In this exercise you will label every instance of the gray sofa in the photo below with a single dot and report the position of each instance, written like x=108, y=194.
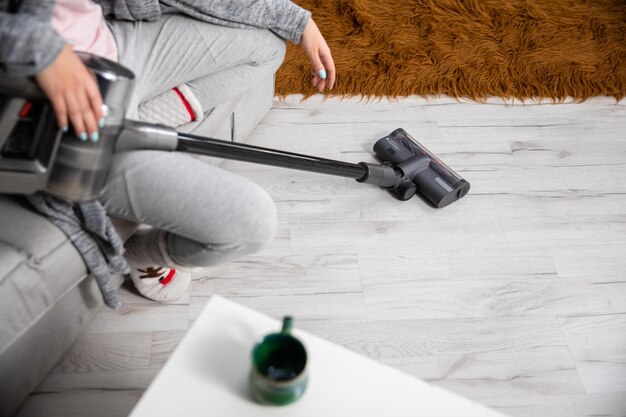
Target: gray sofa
x=46, y=295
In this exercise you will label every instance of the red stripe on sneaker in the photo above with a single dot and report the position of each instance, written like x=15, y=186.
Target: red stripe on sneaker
x=185, y=103
x=169, y=277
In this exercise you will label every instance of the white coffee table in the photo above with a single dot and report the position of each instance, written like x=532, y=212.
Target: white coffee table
x=207, y=375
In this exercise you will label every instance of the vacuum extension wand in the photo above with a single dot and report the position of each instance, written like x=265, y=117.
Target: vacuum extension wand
x=265, y=156
x=36, y=155
x=138, y=135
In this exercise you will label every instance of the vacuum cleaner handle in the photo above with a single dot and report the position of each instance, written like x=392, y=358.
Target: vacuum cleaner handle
x=35, y=155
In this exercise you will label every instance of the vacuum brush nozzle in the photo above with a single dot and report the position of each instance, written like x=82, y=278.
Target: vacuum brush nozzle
x=418, y=170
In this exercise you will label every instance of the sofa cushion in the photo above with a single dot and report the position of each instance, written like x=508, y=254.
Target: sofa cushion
x=38, y=265
x=23, y=295
x=25, y=229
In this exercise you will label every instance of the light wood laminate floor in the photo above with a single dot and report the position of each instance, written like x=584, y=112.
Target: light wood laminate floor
x=514, y=296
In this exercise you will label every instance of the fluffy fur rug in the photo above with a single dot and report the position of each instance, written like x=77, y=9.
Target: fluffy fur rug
x=468, y=48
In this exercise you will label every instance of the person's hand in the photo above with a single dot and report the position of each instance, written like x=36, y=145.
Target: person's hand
x=318, y=52
x=73, y=91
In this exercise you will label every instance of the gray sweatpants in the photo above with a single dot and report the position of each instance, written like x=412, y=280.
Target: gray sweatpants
x=211, y=215
x=218, y=63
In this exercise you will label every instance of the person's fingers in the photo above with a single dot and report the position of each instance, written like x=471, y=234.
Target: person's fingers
x=317, y=50
x=321, y=75
x=76, y=115
x=321, y=85
x=329, y=64
x=95, y=100
x=316, y=64
x=88, y=115
x=319, y=72
x=60, y=110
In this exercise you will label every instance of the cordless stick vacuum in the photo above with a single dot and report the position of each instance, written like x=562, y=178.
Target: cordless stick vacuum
x=35, y=155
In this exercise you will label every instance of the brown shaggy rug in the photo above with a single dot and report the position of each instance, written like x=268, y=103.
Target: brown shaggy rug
x=467, y=48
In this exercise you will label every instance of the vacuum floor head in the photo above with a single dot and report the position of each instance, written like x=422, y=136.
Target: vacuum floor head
x=422, y=172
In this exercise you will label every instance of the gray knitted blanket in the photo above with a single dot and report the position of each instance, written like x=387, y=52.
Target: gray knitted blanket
x=92, y=233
